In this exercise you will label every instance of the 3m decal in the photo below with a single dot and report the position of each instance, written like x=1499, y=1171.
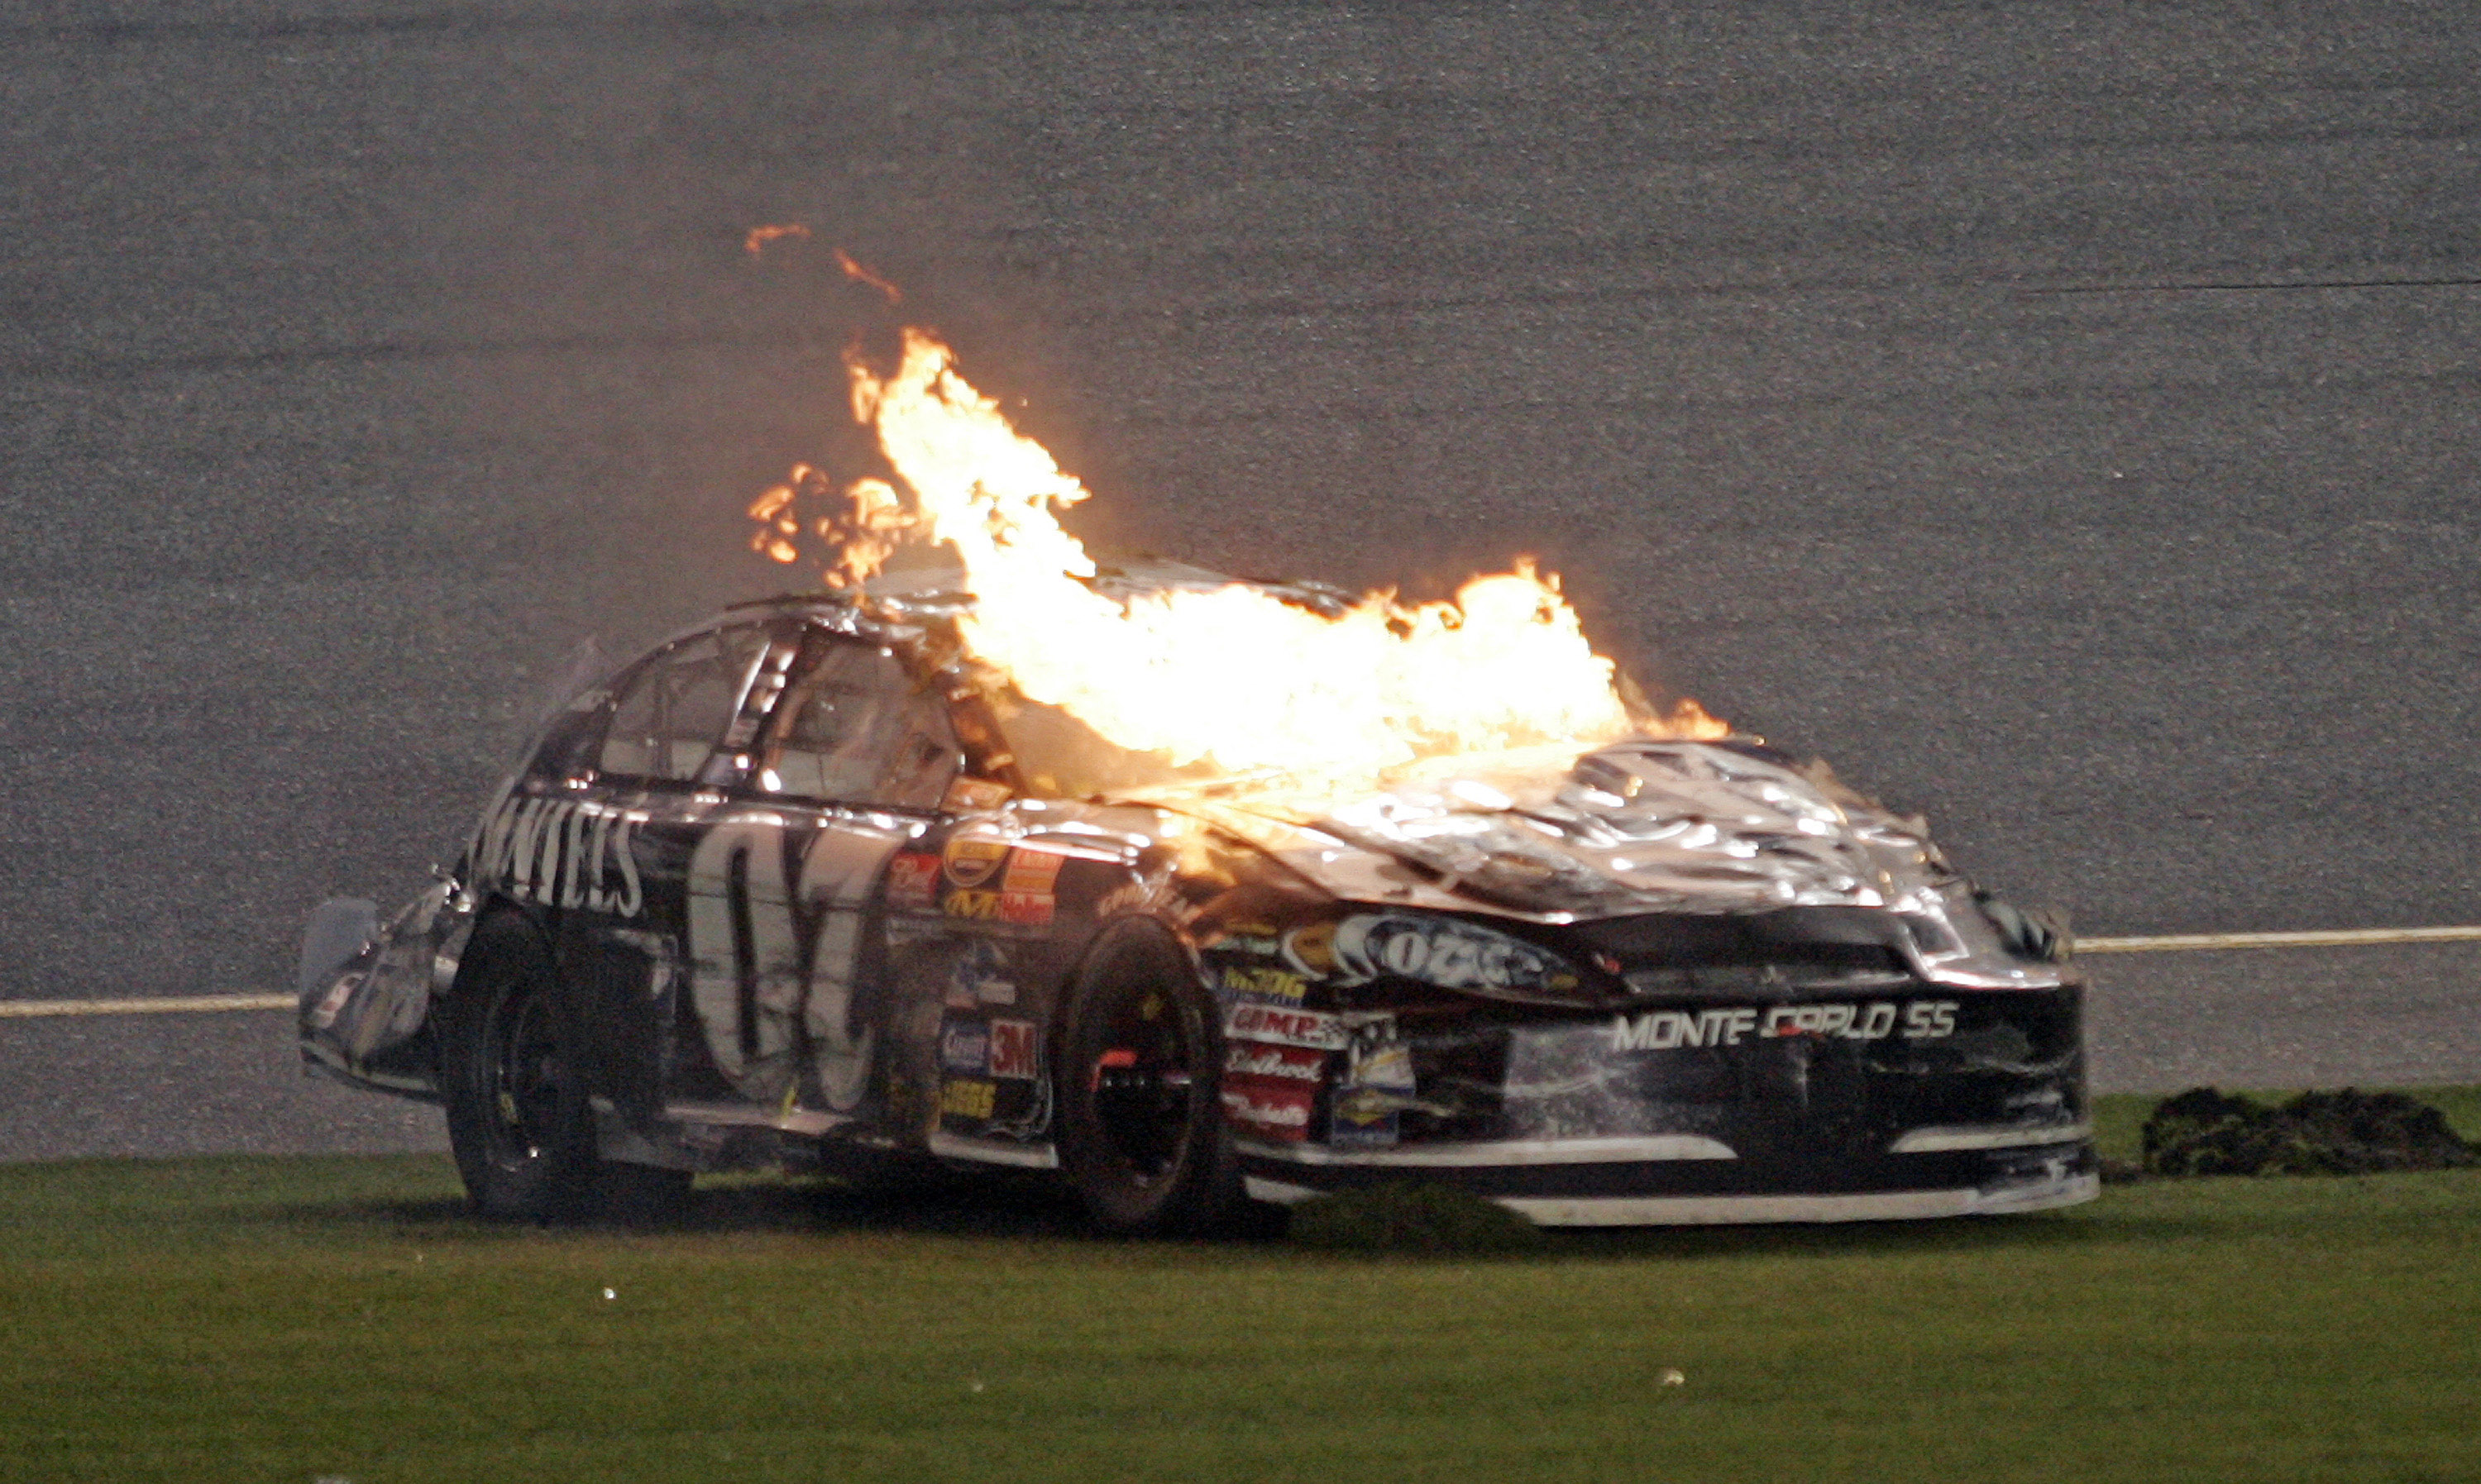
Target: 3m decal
x=1012, y=1043
x=912, y=882
x=1270, y=1111
x=1268, y=987
x=1285, y=1028
x=562, y=853
x=968, y=1099
x=1284, y=1063
x=971, y=861
x=1658, y=1030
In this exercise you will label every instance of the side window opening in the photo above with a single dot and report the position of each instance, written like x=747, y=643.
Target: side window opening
x=857, y=729
x=675, y=711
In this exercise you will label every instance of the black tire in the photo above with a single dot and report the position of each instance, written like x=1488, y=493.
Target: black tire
x=510, y=1078
x=1139, y=1083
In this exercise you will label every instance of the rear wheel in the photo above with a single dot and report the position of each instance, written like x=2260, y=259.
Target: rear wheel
x=510, y=1078
x=1140, y=1117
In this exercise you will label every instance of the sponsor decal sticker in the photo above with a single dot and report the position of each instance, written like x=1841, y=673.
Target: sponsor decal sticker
x=1309, y=1028
x=1443, y=950
x=980, y=978
x=1265, y=987
x=1270, y=1110
x=1012, y=1046
x=1259, y=940
x=1031, y=870
x=912, y=881
x=1280, y=1063
x=965, y=1047
x=972, y=861
x=1662, y=1030
x=1377, y=1085
x=964, y=1097
x=1022, y=909
x=966, y=795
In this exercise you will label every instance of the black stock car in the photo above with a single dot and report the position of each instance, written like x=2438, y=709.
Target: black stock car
x=804, y=881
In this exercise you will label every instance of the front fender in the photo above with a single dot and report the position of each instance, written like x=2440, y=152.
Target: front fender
x=367, y=1021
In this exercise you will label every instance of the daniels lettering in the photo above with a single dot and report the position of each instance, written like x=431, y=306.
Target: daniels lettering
x=563, y=853
x=1662, y=1030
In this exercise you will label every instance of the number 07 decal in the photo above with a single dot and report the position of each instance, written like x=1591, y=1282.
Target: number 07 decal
x=775, y=951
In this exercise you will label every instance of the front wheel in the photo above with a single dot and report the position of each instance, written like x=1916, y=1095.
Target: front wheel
x=519, y=1119
x=1141, y=1131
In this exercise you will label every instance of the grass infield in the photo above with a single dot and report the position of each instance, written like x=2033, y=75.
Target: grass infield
x=342, y=1319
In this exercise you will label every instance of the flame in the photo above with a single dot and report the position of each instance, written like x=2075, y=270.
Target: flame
x=860, y=275
x=1236, y=677
x=760, y=236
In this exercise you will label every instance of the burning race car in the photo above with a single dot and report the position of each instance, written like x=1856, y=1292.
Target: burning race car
x=842, y=876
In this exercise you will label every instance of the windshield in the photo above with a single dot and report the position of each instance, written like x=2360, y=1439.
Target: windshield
x=1063, y=757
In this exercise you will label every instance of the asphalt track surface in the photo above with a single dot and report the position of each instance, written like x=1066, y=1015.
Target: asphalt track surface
x=2064, y=418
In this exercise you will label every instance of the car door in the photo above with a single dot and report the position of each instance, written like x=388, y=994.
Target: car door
x=601, y=831
x=782, y=887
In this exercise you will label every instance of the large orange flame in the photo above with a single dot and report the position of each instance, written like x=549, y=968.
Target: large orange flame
x=1235, y=677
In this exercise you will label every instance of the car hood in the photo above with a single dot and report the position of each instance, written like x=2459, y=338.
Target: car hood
x=1640, y=826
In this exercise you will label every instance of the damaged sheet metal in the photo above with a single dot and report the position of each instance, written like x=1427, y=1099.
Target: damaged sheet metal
x=1661, y=980
x=367, y=1021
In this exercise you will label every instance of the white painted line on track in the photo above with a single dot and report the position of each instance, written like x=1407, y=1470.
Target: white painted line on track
x=172, y=1004
x=2347, y=937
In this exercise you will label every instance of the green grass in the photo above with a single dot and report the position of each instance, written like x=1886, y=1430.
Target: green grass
x=297, y=1319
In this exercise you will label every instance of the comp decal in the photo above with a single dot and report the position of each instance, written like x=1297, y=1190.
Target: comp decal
x=1659, y=1030
x=562, y=853
x=1271, y=1023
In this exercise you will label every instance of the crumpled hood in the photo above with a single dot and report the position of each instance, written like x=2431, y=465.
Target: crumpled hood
x=1637, y=826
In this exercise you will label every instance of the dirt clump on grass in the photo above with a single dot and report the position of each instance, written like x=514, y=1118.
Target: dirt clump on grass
x=2204, y=1132
x=1413, y=1217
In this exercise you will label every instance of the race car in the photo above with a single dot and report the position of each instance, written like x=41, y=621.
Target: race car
x=807, y=882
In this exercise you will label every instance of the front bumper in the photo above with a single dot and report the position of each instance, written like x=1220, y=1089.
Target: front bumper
x=1667, y=1181
x=1924, y=1102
